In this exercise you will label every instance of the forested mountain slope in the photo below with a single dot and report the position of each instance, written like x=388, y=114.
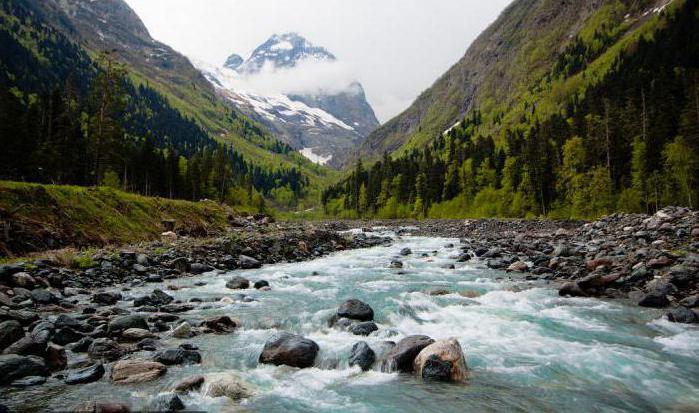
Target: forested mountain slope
x=572, y=109
x=88, y=94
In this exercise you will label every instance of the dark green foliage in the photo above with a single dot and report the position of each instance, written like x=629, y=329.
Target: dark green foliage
x=629, y=143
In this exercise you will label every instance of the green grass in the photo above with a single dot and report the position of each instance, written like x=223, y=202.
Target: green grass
x=96, y=216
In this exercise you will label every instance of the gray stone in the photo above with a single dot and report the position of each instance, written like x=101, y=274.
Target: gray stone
x=362, y=355
x=289, y=349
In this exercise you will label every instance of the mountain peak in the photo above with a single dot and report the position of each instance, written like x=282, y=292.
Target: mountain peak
x=284, y=51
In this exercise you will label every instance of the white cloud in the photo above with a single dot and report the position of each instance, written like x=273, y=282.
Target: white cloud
x=396, y=48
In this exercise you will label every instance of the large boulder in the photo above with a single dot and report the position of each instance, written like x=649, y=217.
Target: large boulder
x=10, y=332
x=104, y=349
x=355, y=310
x=106, y=298
x=289, y=349
x=248, y=263
x=227, y=386
x=362, y=355
x=682, y=315
x=85, y=375
x=136, y=371
x=401, y=357
x=13, y=367
x=442, y=360
x=238, y=283
x=173, y=356
x=120, y=324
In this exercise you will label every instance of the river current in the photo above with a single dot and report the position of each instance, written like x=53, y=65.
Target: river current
x=527, y=348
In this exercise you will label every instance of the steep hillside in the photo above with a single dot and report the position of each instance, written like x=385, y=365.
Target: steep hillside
x=504, y=64
x=596, y=112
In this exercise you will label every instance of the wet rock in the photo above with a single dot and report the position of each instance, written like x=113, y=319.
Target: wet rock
x=119, y=324
x=356, y=310
x=220, y=324
x=64, y=320
x=174, y=356
x=102, y=407
x=81, y=346
x=24, y=280
x=260, y=284
x=10, y=332
x=176, y=308
x=104, y=349
x=166, y=403
x=29, y=345
x=238, y=283
x=227, y=386
x=364, y=328
x=571, y=289
x=106, y=298
x=155, y=299
x=23, y=317
x=13, y=367
x=189, y=384
x=43, y=297
x=181, y=264
x=67, y=335
x=405, y=252
x=289, y=349
x=56, y=357
x=85, y=375
x=198, y=268
x=518, y=266
x=362, y=355
x=659, y=262
x=682, y=276
x=653, y=299
x=401, y=357
x=442, y=360
x=435, y=292
x=396, y=264
x=601, y=262
x=682, y=315
x=248, y=263
x=136, y=334
x=136, y=371
x=183, y=330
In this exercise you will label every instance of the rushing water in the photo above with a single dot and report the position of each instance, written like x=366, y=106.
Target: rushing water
x=527, y=348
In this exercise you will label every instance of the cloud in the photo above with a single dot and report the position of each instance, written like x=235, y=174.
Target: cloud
x=308, y=77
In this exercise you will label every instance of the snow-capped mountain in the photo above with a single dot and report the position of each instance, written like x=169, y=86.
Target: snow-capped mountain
x=300, y=93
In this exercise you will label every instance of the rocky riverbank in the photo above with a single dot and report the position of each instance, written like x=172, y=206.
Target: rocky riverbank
x=650, y=260
x=48, y=308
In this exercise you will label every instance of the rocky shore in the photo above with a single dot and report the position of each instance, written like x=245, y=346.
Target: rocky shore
x=48, y=309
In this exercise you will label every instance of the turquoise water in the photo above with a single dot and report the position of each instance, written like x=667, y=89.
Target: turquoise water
x=527, y=348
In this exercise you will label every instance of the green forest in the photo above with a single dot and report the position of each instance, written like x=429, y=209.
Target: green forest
x=627, y=141
x=67, y=117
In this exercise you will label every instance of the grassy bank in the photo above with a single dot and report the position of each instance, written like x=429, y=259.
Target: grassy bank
x=39, y=217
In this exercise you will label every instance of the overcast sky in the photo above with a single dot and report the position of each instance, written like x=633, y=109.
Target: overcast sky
x=396, y=48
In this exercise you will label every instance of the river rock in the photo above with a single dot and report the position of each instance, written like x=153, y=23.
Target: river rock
x=29, y=345
x=13, y=367
x=102, y=407
x=180, y=264
x=56, y=357
x=43, y=297
x=136, y=334
x=85, y=375
x=518, y=266
x=174, y=356
x=260, y=284
x=104, y=348
x=24, y=280
x=401, y=357
x=220, y=324
x=652, y=299
x=29, y=381
x=136, y=371
x=119, y=324
x=227, y=386
x=183, y=330
x=682, y=315
x=66, y=335
x=189, y=384
x=442, y=360
x=238, y=283
x=64, y=320
x=405, y=252
x=364, y=328
x=289, y=349
x=248, y=263
x=691, y=301
x=362, y=355
x=10, y=332
x=106, y=298
x=571, y=289
x=168, y=402
x=23, y=317
x=356, y=310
